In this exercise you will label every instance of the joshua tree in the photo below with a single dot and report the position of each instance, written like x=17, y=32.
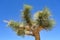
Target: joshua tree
x=32, y=26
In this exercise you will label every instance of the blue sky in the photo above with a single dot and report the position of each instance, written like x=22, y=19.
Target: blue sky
x=11, y=9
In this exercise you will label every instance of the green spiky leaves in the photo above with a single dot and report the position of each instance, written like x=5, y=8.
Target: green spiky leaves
x=27, y=15
x=43, y=19
x=21, y=31
x=17, y=27
x=13, y=24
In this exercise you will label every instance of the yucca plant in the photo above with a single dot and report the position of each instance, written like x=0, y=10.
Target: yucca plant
x=32, y=26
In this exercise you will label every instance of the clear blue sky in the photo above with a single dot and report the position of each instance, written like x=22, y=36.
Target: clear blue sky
x=10, y=9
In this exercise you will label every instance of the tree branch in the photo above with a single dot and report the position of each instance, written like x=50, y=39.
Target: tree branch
x=39, y=28
x=27, y=28
x=28, y=33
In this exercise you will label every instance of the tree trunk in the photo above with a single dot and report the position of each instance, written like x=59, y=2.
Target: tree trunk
x=37, y=36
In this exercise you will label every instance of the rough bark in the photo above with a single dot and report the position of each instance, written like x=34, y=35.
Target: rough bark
x=36, y=33
x=37, y=36
x=39, y=28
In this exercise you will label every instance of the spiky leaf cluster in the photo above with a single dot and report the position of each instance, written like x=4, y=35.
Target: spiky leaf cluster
x=43, y=19
x=13, y=24
x=27, y=15
x=16, y=27
x=21, y=31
